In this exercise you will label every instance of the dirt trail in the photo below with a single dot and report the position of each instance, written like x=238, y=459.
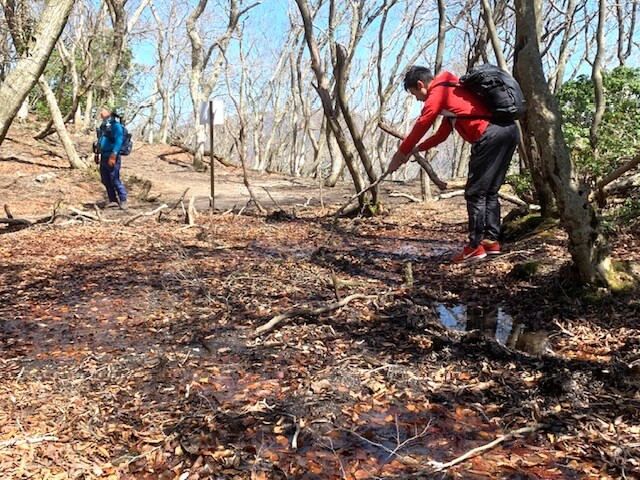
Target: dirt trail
x=33, y=179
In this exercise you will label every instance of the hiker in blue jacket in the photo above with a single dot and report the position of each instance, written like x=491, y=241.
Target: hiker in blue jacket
x=110, y=137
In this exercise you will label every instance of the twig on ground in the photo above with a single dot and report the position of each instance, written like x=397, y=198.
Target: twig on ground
x=399, y=445
x=145, y=454
x=145, y=214
x=405, y=195
x=307, y=312
x=439, y=467
x=82, y=213
x=25, y=441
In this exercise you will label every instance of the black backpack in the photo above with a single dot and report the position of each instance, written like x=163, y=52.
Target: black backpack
x=127, y=142
x=498, y=90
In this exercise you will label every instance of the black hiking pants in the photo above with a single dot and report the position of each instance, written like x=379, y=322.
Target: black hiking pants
x=490, y=158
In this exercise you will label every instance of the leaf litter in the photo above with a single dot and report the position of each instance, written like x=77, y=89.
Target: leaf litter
x=132, y=352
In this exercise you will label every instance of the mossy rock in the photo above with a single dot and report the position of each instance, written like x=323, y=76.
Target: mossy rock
x=524, y=271
x=520, y=223
x=623, y=278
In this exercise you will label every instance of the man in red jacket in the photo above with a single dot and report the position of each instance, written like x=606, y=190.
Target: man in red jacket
x=492, y=146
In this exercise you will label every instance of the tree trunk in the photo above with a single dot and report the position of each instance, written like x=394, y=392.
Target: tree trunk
x=325, y=97
x=19, y=82
x=587, y=245
x=59, y=125
x=596, y=78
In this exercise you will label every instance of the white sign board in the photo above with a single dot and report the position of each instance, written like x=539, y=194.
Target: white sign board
x=218, y=112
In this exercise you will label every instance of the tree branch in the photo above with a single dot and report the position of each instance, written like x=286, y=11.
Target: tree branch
x=419, y=158
x=308, y=312
x=439, y=467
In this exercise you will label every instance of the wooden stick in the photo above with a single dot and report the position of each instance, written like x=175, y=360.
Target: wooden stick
x=405, y=195
x=25, y=441
x=82, y=213
x=145, y=214
x=439, y=467
x=307, y=312
x=16, y=221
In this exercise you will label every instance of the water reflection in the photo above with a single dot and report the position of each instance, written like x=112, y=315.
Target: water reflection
x=494, y=322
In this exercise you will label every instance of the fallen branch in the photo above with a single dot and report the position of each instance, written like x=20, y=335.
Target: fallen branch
x=25, y=441
x=309, y=312
x=439, y=467
x=82, y=213
x=454, y=193
x=273, y=199
x=179, y=201
x=607, y=179
x=513, y=199
x=145, y=214
x=16, y=221
x=405, y=195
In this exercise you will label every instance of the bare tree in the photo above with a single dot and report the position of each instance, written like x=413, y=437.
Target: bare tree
x=37, y=49
x=587, y=245
x=556, y=77
x=323, y=89
x=596, y=78
x=240, y=139
x=74, y=160
x=121, y=25
x=202, y=81
x=168, y=73
x=625, y=36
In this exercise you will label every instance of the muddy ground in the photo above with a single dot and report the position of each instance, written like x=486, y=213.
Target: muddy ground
x=135, y=347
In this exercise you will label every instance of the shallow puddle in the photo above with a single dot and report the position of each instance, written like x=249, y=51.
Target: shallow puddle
x=494, y=322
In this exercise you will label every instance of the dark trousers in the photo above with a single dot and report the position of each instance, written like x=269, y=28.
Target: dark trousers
x=110, y=176
x=490, y=158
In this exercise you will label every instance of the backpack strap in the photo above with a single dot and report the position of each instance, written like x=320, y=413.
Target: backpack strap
x=458, y=84
x=447, y=84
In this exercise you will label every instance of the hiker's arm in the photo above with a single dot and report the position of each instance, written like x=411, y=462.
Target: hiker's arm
x=430, y=110
x=446, y=127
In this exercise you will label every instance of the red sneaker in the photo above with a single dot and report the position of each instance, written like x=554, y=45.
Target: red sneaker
x=491, y=247
x=469, y=254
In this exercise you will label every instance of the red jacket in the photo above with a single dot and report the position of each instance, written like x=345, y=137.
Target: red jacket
x=448, y=101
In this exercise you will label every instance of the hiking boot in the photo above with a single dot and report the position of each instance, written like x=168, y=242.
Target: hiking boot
x=111, y=205
x=470, y=254
x=491, y=247
x=123, y=206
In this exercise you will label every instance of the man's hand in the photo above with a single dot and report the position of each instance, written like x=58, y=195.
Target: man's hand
x=112, y=160
x=398, y=159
